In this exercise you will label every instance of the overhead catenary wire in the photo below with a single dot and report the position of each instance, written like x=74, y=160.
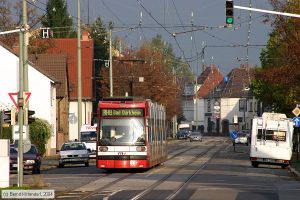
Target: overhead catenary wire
x=174, y=36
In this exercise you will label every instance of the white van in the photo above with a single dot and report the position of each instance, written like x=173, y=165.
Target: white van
x=271, y=140
x=88, y=135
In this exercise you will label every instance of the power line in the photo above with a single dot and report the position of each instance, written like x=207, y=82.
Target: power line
x=174, y=36
x=108, y=8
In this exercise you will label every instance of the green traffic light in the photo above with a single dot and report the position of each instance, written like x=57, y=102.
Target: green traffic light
x=229, y=20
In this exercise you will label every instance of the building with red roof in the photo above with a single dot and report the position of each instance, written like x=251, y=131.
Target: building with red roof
x=68, y=47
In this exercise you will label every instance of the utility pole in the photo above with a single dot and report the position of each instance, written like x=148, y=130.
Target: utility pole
x=110, y=64
x=22, y=69
x=79, y=69
x=249, y=31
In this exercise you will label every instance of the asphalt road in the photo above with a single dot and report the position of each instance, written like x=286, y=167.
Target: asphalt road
x=198, y=170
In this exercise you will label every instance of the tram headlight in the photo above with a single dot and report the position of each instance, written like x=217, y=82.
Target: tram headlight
x=140, y=148
x=103, y=148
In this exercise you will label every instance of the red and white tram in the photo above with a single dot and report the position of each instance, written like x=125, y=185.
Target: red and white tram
x=131, y=133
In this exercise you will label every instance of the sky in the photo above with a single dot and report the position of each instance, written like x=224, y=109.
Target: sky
x=166, y=17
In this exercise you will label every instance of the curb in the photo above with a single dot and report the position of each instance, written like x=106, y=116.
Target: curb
x=294, y=171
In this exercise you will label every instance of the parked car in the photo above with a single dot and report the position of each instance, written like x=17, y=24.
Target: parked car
x=182, y=134
x=73, y=153
x=196, y=136
x=31, y=159
x=242, y=138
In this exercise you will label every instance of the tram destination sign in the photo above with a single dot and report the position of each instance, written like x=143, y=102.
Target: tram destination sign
x=124, y=112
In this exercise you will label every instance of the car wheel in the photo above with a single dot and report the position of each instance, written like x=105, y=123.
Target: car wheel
x=86, y=164
x=283, y=166
x=254, y=164
x=36, y=170
x=60, y=165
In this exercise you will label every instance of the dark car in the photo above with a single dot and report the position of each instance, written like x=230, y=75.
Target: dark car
x=31, y=160
x=182, y=135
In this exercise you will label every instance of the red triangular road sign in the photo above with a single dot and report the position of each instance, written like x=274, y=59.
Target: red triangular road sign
x=14, y=97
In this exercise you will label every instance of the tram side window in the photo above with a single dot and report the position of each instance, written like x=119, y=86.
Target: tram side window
x=149, y=129
x=153, y=130
x=159, y=129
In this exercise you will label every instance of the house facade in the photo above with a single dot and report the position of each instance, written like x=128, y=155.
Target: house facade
x=68, y=47
x=57, y=66
x=41, y=85
x=207, y=81
x=231, y=103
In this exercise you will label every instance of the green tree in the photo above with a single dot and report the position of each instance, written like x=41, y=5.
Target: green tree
x=57, y=18
x=98, y=32
x=40, y=133
x=6, y=133
x=276, y=81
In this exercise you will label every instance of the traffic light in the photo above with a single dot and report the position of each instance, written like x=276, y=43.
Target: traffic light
x=229, y=13
x=11, y=116
x=28, y=119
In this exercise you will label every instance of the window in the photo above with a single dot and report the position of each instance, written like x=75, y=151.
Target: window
x=240, y=119
x=208, y=106
x=242, y=105
x=271, y=135
x=251, y=106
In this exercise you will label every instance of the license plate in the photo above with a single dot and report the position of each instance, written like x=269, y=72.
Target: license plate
x=15, y=165
x=267, y=160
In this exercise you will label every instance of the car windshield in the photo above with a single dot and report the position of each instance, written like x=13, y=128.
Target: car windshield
x=13, y=150
x=73, y=146
x=242, y=135
x=88, y=136
x=124, y=131
x=195, y=134
x=32, y=150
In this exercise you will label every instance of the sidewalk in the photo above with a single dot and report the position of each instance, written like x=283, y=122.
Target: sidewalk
x=295, y=165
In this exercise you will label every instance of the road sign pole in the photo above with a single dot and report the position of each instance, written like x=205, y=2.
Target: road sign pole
x=298, y=144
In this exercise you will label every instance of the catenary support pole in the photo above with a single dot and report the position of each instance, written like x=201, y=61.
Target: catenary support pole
x=79, y=95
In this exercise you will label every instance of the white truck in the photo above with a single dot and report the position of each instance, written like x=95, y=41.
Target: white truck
x=184, y=127
x=88, y=135
x=271, y=140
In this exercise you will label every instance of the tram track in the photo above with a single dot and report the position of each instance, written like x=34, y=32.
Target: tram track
x=165, y=178
x=129, y=175
x=87, y=194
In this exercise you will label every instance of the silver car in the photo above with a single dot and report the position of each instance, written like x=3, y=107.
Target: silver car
x=73, y=153
x=195, y=136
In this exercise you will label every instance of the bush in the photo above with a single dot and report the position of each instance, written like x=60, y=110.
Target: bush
x=40, y=133
x=7, y=133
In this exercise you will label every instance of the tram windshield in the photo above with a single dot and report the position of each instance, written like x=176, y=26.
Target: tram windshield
x=122, y=131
